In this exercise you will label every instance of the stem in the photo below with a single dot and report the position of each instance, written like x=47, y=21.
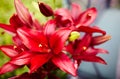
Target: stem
x=54, y=5
x=97, y=71
x=89, y=3
x=68, y=2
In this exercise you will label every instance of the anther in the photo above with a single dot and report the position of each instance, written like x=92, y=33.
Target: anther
x=89, y=15
x=40, y=45
x=84, y=47
x=14, y=47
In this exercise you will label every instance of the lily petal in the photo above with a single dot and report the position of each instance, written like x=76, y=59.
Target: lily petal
x=58, y=39
x=17, y=40
x=83, y=44
x=9, y=51
x=100, y=39
x=15, y=21
x=38, y=60
x=87, y=17
x=22, y=59
x=75, y=11
x=90, y=29
x=23, y=13
x=63, y=17
x=50, y=27
x=33, y=39
x=8, y=28
x=69, y=48
x=8, y=67
x=91, y=59
x=95, y=51
x=64, y=63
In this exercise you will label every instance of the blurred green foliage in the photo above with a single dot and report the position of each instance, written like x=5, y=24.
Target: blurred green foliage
x=7, y=9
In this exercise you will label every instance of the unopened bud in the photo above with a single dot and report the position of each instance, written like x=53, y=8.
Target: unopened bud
x=74, y=35
x=45, y=9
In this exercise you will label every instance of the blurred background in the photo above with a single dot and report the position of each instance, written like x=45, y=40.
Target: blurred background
x=108, y=19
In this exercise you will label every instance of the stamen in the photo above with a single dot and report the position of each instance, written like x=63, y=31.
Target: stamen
x=14, y=47
x=89, y=15
x=40, y=45
x=84, y=47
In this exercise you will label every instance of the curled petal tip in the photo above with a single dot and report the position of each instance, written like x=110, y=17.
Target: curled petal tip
x=100, y=39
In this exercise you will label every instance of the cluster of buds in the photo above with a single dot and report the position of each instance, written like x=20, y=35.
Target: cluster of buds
x=61, y=43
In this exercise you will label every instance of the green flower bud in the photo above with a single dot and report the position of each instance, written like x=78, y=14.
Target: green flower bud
x=74, y=35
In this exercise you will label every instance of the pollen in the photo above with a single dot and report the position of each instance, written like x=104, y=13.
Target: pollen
x=84, y=47
x=40, y=45
x=89, y=15
x=14, y=47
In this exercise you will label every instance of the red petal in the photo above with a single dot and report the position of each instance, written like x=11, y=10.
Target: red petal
x=64, y=63
x=15, y=21
x=87, y=17
x=91, y=59
x=9, y=51
x=75, y=11
x=8, y=67
x=63, y=17
x=83, y=44
x=22, y=59
x=100, y=39
x=37, y=25
x=90, y=29
x=69, y=48
x=50, y=27
x=23, y=13
x=33, y=39
x=58, y=39
x=8, y=28
x=95, y=51
x=38, y=60
x=17, y=40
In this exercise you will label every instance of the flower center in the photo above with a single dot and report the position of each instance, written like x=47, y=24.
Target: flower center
x=84, y=47
x=44, y=48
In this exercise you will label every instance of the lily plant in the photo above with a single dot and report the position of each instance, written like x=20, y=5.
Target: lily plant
x=63, y=42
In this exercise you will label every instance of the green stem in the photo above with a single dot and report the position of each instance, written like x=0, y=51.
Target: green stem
x=99, y=75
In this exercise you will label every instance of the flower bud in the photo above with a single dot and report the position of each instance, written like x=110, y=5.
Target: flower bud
x=45, y=9
x=74, y=35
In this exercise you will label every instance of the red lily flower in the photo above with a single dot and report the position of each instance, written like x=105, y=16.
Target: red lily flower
x=76, y=19
x=76, y=16
x=15, y=23
x=49, y=45
x=83, y=49
x=41, y=47
x=18, y=57
x=23, y=18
